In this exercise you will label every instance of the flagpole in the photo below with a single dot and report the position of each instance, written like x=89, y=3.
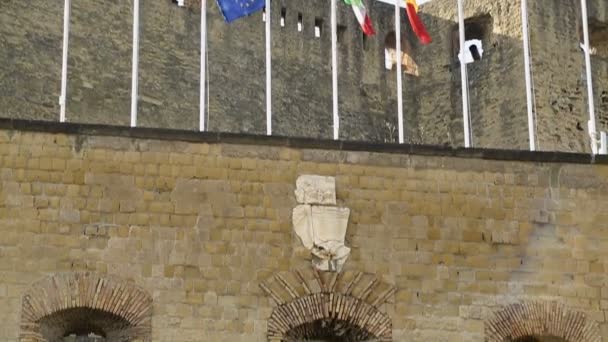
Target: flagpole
x=268, y=71
x=526, y=39
x=135, y=63
x=64, y=63
x=463, y=74
x=334, y=69
x=399, y=59
x=203, y=65
x=590, y=97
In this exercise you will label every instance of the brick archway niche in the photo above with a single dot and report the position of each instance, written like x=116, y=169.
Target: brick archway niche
x=82, y=303
x=529, y=319
x=325, y=306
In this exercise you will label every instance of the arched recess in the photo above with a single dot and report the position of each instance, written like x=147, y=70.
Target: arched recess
x=82, y=303
x=523, y=320
x=313, y=305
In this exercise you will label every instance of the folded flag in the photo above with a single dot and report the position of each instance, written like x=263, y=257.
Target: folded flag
x=234, y=9
x=417, y=24
x=362, y=17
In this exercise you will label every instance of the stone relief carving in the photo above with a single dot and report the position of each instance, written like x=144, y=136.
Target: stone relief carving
x=319, y=223
x=316, y=190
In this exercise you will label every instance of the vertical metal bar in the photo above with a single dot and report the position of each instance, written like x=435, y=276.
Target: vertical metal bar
x=203, y=78
x=399, y=58
x=463, y=72
x=64, y=63
x=334, y=69
x=268, y=70
x=135, y=63
x=526, y=39
x=604, y=143
x=590, y=97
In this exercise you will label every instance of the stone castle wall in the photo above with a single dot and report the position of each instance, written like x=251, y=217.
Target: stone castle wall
x=99, y=79
x=562, y=95
x=198, y=229
x=100, y=68
x=599, y=41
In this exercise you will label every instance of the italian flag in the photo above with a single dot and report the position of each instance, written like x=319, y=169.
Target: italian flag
x=362, y=17
x=417, y=25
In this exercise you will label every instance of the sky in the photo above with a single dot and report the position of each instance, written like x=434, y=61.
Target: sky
x=392, y=2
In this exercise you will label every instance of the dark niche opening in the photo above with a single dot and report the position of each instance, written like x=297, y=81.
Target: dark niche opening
x=90, y=337
x=318, y=27
x=475, y=28
x=475, y=52
x=539, y=339
x=598, y=39
x=84, y=325
x=328, y=330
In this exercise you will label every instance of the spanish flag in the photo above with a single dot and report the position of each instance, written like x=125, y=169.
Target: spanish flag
x=362, y=16
x=417, y=24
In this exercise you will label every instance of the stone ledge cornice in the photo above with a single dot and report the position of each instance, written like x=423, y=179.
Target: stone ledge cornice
x=298, y=143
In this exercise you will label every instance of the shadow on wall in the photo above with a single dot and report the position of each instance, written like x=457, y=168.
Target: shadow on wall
x=100, y=68
x=598, y=36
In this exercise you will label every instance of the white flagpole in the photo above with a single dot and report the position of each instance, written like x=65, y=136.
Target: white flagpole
x=399, y=59
x=590, y=97
x=268, y=71
x=203, y=64
x=334, y=69
x=526, y=39
x=64, y=66
x=135, y=63
x=463, y=72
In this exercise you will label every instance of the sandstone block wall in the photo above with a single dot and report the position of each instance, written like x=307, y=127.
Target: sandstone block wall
x=199, y=224
x=99, y=79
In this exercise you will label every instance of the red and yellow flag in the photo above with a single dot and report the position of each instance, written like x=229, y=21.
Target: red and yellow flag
x=417, y=25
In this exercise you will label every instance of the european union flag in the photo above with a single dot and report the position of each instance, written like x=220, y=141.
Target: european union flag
x=234, y=9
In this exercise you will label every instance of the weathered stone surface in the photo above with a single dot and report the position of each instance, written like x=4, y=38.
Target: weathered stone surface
x=302, y=224
x=329, y=223
x=100, y=71
x=321, y=229
x=312, y=189
x=330, y=256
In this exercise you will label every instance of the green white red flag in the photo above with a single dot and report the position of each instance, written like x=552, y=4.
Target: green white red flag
x=362, y=16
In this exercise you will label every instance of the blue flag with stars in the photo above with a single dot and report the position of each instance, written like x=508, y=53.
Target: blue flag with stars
x=234, y=9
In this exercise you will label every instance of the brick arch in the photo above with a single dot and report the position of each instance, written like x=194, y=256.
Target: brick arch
x=66, y=296
x=541, y=319
x=301, y=318
x=349, y=303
